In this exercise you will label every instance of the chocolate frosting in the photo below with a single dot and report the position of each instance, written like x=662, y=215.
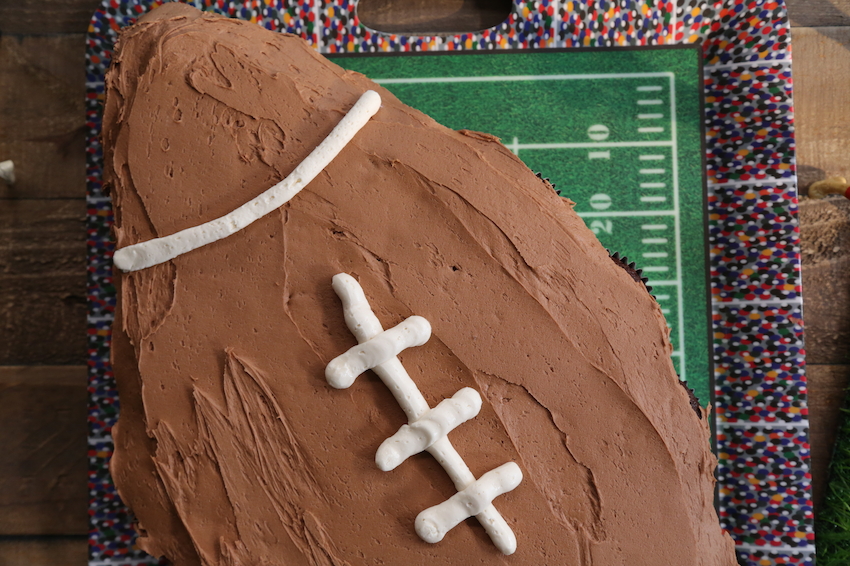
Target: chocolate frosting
x=231, y=447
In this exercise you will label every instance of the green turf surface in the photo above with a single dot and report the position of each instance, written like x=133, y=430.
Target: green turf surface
x=617, y=131
x=833, y=521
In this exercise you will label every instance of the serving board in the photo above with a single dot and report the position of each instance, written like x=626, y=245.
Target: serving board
x=762, y=430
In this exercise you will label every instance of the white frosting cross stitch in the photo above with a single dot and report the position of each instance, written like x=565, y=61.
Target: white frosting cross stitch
x=435, y=424
x=427, y=428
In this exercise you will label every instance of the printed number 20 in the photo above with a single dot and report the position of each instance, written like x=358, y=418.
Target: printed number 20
x=601, y=226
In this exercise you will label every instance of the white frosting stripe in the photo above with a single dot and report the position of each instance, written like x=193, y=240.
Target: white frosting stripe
x=365, y=325
x=438, y=422
x=344, y=369
x=160, y=250
x=433, y=523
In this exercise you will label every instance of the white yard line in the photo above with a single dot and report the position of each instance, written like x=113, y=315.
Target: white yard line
x=556, y=18
x=756, y=303
x=672, y=37
x=677, y=223
x=786, y=549
x=317, y=27
x=759, y=182
x=594, y=145
x=626, y=213
x=761, y=424
x=765, y=63
x=520, y=78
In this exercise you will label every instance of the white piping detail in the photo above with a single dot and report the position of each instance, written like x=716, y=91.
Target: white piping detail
x=160, y=250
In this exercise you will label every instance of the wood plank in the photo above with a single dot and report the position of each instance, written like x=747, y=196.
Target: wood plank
x=35, y=17
x=44, y=551
x=814, y=13
x=43, y=483
x=827, y=392
x=42, y=282
x=825, y=237
x=42, y=115
x=821, y=67
x=821, y=102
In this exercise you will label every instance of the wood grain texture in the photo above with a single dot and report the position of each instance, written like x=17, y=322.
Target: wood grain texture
x=43, y=551
x=815, y=13
x=42, y=282
x=821, y=71
x=27, y=17
x=825, y=235
x=43, y=436
x=42, y=115
x=827, y=391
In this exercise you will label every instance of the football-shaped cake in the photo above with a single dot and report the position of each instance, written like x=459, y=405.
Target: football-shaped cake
x=423, y=297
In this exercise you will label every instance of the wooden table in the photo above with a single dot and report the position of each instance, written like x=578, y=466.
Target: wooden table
x=43, y=493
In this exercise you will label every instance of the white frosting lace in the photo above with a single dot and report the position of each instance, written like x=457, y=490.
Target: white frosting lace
x=427, y=428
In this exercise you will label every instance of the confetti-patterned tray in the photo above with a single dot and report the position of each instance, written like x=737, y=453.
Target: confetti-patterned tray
x=762, y=426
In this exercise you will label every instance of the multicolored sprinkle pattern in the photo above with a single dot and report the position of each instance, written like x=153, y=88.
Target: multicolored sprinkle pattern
x=747, y=112
x=762, y=422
